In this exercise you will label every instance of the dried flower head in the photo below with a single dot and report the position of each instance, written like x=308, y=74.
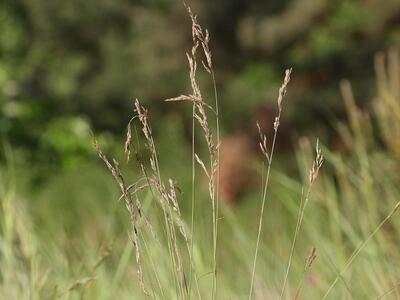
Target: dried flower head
x=311, y=258
x=283, y=88
x=263, y=141
x=317, y=163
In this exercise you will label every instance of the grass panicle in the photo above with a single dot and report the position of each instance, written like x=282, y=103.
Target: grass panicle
x=316, y=165
x=269, y=156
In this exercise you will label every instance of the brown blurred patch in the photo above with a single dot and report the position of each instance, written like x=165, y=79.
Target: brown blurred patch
x=235, y=155
x=241, y=148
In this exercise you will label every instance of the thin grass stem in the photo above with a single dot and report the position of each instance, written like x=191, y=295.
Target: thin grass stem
x=216, y=205
x=264, y=198
x=359, y=249
x=282, y=92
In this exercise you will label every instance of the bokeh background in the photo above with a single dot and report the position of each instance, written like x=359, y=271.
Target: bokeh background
x=70, y=68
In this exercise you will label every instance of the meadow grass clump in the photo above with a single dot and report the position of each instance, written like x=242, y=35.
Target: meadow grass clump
x=168, y=201
x=335, y=237
x=179, y=239
x=165, y=197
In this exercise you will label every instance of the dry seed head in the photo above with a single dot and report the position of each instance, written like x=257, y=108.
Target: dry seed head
x=283, y=88
x=199, y=37
x=192, y=99
x=127, y=146
x=317, y=163
x=310, y=259
x=133, y=234
x=206, y=67
x=154, y=181
x=201, y=163
x=276, y=123
x=172, y=196
x=263, y=142
x=192, y=72
x=142, y=115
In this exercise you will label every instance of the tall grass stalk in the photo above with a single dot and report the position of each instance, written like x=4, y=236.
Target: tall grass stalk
x=166, y=198
x=317, y=163
x=193, y=192
x=269, y=156
x=218, y=178
x=201, y=39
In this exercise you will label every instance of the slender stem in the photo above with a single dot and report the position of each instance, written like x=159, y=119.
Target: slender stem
x=152, y=265
x=193, y=195
x=166, y=228
x=300, y=286
x=300, y=216
x=167, y=232
x=282, y=92
x=264, y=198
x=392, y=289
x=216, y=203
x=316, y=165
x=361, y=247
x=170, y=229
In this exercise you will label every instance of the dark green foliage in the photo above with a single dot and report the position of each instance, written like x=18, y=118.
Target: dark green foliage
x=87, y=60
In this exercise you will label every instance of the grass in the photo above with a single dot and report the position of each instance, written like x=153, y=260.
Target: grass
x=268, y=155
x=68, y=239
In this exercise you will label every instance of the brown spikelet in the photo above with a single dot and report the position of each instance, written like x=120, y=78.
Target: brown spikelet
x=317, y=163
x=190, y=99
x=310, y=259
x=283, y=88
x=201, y=163
x=312, y=255
x=263, y=142
x=128, y=141
x=131, y=207
x=200, y=37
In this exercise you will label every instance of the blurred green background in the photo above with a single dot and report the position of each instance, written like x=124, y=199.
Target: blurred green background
x=70, y=68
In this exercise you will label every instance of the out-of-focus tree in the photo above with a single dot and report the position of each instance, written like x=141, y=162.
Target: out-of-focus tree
x=84, y=61
x=323, y=40
x=73, y=58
